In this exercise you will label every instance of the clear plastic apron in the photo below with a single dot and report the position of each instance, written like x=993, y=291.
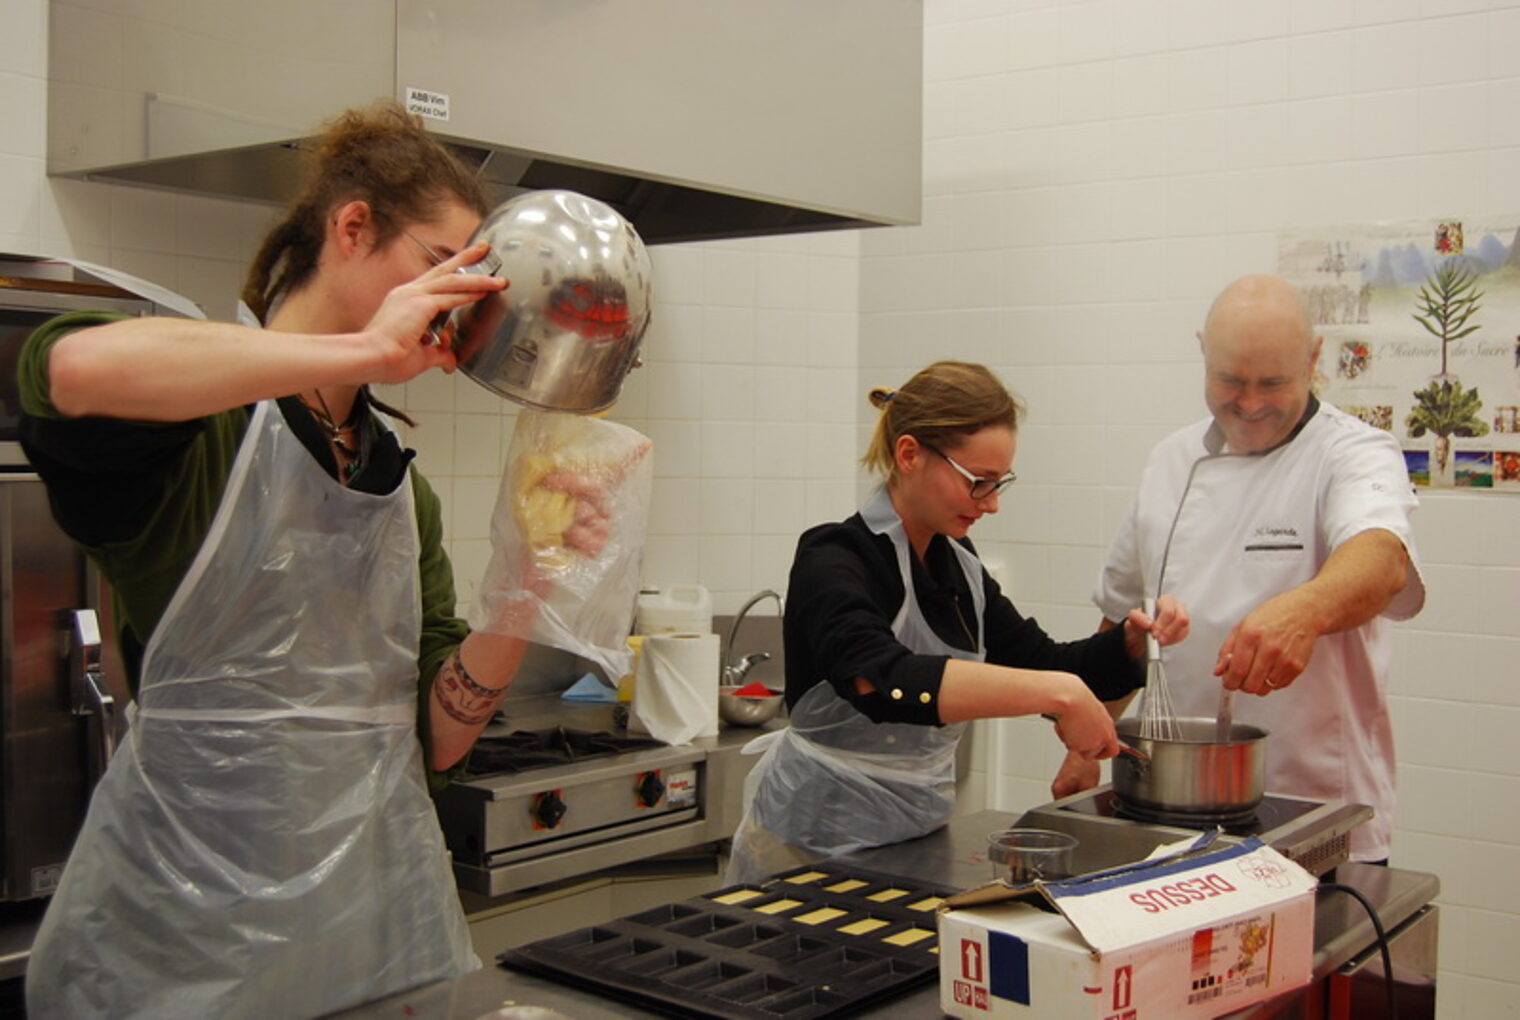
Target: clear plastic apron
x=834, y=782
x=263, y=844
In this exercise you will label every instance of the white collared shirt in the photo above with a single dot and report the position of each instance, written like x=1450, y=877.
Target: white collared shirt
x=1225, y=532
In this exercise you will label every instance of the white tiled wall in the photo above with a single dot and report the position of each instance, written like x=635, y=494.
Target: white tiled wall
x=1094, y=172
x=749, y=394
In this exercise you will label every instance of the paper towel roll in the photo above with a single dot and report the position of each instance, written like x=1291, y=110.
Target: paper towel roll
x=675, y=692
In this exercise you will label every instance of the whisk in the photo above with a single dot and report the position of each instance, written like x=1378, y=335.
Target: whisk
x=1158, y=717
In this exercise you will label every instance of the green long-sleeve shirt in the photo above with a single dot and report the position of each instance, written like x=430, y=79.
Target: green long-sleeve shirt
x=139, y=499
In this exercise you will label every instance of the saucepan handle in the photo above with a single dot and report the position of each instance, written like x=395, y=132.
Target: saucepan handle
x=1133, y=752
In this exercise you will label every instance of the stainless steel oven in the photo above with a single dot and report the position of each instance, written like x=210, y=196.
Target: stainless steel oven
x=60, y=684
x=557, y=790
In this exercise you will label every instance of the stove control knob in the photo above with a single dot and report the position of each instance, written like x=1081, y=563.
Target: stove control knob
x=548, y=810
x=650, y=789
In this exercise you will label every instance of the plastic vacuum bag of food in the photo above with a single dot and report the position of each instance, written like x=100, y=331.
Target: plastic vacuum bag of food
x=567, y=536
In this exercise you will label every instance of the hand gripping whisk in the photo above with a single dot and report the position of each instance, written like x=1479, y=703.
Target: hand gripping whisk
x=1158, y=717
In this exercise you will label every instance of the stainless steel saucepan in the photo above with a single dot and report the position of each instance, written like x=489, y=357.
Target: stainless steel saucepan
x=1196, y=774
x=566, y=331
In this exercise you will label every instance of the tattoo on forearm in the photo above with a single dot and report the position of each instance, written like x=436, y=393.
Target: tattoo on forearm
x=464, y=700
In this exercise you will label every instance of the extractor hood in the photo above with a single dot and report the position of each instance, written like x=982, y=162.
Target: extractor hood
x=697, y=119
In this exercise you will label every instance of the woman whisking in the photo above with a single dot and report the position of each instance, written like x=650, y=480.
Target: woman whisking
x=895, y=637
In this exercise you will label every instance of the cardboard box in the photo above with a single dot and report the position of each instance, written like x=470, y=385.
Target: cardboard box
x=1198, y=931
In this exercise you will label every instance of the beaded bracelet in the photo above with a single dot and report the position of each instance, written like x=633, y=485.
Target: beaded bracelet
x=470, y=683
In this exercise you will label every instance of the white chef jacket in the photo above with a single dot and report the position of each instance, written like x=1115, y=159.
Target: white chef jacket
x=1225, y=532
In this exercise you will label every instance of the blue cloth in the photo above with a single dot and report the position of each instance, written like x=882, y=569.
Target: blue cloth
x=589, y=688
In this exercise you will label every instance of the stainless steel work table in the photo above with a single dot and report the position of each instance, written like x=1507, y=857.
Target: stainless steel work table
x=953, y=856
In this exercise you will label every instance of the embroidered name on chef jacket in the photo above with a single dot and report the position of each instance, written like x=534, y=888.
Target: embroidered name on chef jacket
x=1274, y=538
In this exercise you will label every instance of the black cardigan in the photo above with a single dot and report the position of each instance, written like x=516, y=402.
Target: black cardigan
x=844, y=592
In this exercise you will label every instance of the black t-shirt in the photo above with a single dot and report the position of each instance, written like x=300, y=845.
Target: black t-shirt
x=106, y=476
x=844, y=592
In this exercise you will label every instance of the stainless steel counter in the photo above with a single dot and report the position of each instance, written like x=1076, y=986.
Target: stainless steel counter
x=953, y=856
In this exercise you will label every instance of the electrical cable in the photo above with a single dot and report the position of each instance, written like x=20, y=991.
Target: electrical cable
x=1382, y=941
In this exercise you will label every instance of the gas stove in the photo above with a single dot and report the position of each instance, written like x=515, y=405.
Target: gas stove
x=556, y=791
x=1313, y=833
x=525, y=750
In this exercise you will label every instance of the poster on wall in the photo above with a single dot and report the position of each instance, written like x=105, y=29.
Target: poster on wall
x=1421, y=327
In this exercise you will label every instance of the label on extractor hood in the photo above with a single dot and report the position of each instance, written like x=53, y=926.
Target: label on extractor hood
x=426, y=103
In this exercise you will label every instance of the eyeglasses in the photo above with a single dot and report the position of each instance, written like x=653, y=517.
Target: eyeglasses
x=433, y=256
x=981, y=488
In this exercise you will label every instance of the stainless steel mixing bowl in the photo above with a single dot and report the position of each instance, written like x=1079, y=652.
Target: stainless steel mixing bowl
x=566, y=331
x=738, y=710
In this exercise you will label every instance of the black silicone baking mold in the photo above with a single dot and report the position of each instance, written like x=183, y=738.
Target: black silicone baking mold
x=816, y=941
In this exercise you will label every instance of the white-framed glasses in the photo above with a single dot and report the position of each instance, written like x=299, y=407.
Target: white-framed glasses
x=981, y=487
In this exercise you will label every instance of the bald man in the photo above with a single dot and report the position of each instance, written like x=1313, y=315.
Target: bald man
x=1284, y=525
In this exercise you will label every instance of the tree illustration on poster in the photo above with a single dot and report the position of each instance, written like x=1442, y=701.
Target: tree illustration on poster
x=1421, y=328
x=1449, y=299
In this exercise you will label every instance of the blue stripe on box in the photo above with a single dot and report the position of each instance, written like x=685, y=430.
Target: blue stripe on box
x=1008, y=967
x=1149, y=871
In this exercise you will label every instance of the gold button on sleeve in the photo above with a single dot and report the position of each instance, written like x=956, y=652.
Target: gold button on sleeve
x=897, y=694
x=926, y=697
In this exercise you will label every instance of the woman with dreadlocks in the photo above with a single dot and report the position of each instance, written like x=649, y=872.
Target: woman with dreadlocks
x=263, y=843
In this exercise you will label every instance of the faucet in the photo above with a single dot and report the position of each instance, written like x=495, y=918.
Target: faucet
x=736, y=670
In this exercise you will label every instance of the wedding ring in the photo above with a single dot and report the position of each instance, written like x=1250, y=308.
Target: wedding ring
x=1275, y=687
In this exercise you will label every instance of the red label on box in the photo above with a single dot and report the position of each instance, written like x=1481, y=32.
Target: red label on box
x=971, y=995
x=971, y=960
x=1124, y=979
